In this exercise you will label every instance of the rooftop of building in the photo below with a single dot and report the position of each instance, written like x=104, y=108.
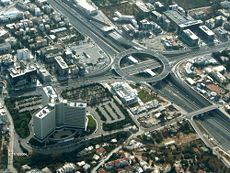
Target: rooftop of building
x=44, y=111
x=18, y=71
x=74, y=104
x=51, y=106
x=61, y=62
x=3, y=32
x=124, y=90
x=6, y=57
x=86, y=5
x=206, y=30
x=221, y=31
x=190, y=34
x=182, y=20
x=49, y=91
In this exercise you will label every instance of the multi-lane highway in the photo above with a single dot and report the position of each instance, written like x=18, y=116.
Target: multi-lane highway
x=217, y=126
x=169, y=89
x=82, y=24
x=215, y=123
x=173, y=92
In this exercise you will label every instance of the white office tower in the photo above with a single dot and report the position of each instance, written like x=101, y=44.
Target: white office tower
x=59, y=115
x=48, y=95
x=44, y=122
x=71, y=114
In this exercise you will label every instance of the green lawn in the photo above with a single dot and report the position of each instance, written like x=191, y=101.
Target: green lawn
x=91, y=124
x=145, y=96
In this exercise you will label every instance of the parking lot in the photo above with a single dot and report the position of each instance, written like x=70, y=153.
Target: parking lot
x=109, y=112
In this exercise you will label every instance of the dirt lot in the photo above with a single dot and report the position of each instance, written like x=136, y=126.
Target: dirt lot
x=215, y=88
x=181, y=138
x=124, y=8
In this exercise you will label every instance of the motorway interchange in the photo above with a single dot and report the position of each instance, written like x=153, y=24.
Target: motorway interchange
x=163, y=84
x=166, y=83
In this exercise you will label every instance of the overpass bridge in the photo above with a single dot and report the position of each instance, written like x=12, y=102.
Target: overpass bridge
x=156, y=60
x=202, y=111
x=141, y=66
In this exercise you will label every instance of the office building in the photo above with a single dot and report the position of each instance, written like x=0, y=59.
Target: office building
x=11, y=15
x=222, y=34
x=61, y=66
x=59, y=115
x=206, y=33
x=125, y=93
x=44, y=75
x=44, y=122
x=181, y=21
x=24, y=54
x=189, y=37
x=22, y=77
x=210, y=23
x=70, y=114
x=48, y=95
x=156, y=16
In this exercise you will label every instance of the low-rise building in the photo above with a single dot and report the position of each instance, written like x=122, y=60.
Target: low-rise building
x=219, y=77
x=189, y=69
x=222, y=34
x=125, y=93
x=67, y=168
x=117, y=163
x=3, y=33
x=125, y=18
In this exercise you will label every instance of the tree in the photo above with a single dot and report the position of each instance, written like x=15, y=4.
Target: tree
x=167, y=3
x=216, y=5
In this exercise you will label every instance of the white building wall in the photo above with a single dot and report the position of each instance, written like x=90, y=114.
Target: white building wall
x=43, y=126
x=70, y=115
x=75, y=116
x=37, y=123
x=49, y=123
